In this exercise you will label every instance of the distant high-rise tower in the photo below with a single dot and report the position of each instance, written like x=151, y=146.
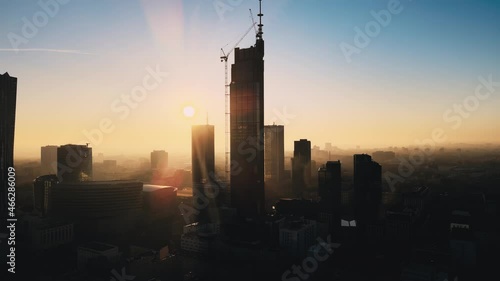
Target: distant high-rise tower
x=367, y=182
x=159, y=160
x=247, y=126
x=330, y=192
x=8, y=93
x=202, y=153
x=48, y=160
x=42, y=187
x=274, y=152
x=301, y=166
x=74, y=163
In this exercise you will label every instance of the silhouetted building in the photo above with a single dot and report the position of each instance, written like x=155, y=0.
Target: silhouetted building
x=297, y=235
x=462, y=240
x=74, y=163
x=367, y=182
x=301, y=166
x=8, y=93
x=330, y=192
x=48, y=160
x=109, y=164
x=159, y=160
x=94, y=199
x=382, y=156
x=202, y=154
x=42, y=188
x=274, y=152
x=98, y=208
x=46, y=233
x=203, y=165
x=418, y=198
x=399, y=223
x=247, y=128
x=297, y=207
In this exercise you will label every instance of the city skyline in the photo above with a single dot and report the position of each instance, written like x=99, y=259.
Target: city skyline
x=395, y=91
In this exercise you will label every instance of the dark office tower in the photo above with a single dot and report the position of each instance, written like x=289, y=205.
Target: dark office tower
x=330, y=192
x=8, y=92
x=42, y=187
x=301, y=166
x=159, y=160
x=203, y=161
x=247, y=128
x=367, y=186
x=48, y=160
x=274, y=152
x=74, y=163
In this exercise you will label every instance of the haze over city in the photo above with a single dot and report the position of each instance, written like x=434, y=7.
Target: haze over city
x=394, y=92
x=212, y=140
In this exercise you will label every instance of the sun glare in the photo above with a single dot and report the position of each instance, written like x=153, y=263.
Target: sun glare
x=188, y=111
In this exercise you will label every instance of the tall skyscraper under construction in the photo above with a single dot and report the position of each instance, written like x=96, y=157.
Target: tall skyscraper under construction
x=247, y=127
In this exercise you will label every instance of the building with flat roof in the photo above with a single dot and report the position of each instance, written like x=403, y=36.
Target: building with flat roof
x=42, y=188
x=48, y=160
x=159, y=160
x=367, y=183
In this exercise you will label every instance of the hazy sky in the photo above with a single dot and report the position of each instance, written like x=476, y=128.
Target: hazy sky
x=80, y=62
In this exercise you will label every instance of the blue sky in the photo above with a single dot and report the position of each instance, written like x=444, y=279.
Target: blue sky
x=393, y=92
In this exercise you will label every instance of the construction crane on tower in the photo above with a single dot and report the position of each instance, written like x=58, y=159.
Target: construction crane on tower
x=223, y=58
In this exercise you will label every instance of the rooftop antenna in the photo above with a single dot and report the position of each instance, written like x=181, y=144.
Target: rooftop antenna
x=260, y=25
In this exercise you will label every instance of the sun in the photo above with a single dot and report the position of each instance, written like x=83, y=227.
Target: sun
x=188, y=111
